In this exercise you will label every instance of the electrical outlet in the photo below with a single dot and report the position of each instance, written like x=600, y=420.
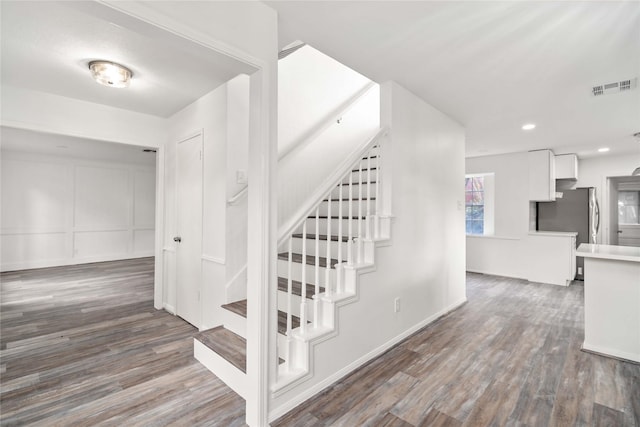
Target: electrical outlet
x=396, y=305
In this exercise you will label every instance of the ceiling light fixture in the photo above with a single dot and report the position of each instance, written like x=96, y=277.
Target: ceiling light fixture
x=110, y=74
x=603, y=149
x=528, y=126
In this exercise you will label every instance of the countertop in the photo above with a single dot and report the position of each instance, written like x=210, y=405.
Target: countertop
x=554, y=233
x=619, y=253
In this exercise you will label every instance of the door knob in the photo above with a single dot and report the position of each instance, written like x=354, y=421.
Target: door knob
x=619, y=231
x=177, y=239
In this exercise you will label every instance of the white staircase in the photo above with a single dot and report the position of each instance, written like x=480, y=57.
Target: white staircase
x=344, y=228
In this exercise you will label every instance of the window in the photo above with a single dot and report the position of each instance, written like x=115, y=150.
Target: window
x=628, y=207
x=474, y=204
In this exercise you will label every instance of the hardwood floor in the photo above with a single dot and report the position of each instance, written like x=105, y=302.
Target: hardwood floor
x=83, y=346
x=509, y=357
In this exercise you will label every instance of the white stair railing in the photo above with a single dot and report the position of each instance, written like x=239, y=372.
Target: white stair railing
x=329, y=285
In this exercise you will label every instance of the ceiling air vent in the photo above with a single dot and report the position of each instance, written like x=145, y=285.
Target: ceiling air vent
x=614, y=87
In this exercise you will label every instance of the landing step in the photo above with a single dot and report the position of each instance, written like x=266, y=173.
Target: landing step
x=230, y=346
x=296, y=287
x=322, y=237
x=240, y=308
x=311, y=259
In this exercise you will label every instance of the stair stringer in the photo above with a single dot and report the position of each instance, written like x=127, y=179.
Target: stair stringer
x=304, y=343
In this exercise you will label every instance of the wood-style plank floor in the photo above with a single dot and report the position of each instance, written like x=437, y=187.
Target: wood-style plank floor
x=83, y=346
x=509, y=357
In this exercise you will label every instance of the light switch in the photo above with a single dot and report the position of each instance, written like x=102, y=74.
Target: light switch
x=241, y=176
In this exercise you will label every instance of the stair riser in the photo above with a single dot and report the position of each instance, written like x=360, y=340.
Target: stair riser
x=296, y=272
x=324, y=207
x=311, y=226
x=235, y=323
x=295, y=305
x=311, y=247
x=355, y=191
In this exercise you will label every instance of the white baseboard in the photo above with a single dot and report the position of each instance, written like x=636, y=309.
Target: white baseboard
x=617, y=354
x=312, y=391
x=30, y=265
x=493, y=273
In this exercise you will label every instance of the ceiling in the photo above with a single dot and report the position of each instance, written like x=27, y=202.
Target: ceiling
x=47, y=45
x=493, y=66
x=68, y=146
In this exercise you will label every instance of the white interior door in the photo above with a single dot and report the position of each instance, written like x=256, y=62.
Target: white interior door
x=189, y=229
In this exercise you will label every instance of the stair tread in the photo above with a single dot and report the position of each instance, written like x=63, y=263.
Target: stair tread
x=322, y=237
x=347, y=199
x=296, y=287
x=357, y=183
x=232, y=347
x=240, y=308
x=311, y=259
x=365, y=169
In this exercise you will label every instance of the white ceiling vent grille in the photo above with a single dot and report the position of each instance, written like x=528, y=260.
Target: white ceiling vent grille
x=616, y=87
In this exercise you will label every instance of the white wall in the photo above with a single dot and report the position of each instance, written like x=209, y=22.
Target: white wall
x=312, y=89
x=222, y=116
x=306, y=175
x=61, y=211
x=46, y=112
x=424, y=265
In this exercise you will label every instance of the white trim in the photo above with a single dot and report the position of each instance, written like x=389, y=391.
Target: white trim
x=213, y=259
x=316, y=389
x=608, y=352
x=171, y=309
x=158, y=276
x=489, y=273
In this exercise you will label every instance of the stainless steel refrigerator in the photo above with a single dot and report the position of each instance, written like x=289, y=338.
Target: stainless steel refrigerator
x=577, y=211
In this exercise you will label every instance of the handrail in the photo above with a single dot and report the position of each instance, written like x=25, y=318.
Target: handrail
x=240, y=194
x=347, y=165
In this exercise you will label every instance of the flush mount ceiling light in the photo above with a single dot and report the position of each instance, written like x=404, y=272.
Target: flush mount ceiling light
x=603, y=149
x=528, y=126
x=110, y=74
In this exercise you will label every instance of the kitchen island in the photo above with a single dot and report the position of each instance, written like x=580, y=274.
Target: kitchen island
x=611, y=300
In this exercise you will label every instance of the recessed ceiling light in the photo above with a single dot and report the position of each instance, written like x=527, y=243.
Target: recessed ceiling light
x=603, y=149
x=110, y=74
x=528, y=126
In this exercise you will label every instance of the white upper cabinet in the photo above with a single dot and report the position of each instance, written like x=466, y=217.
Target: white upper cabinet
x=542, y=176
x=566, y=166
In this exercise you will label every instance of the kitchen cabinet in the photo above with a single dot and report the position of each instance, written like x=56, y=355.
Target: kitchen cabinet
x=542, y=176
x=566, y=166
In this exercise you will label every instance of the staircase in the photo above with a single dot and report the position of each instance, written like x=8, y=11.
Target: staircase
x=318, y=268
